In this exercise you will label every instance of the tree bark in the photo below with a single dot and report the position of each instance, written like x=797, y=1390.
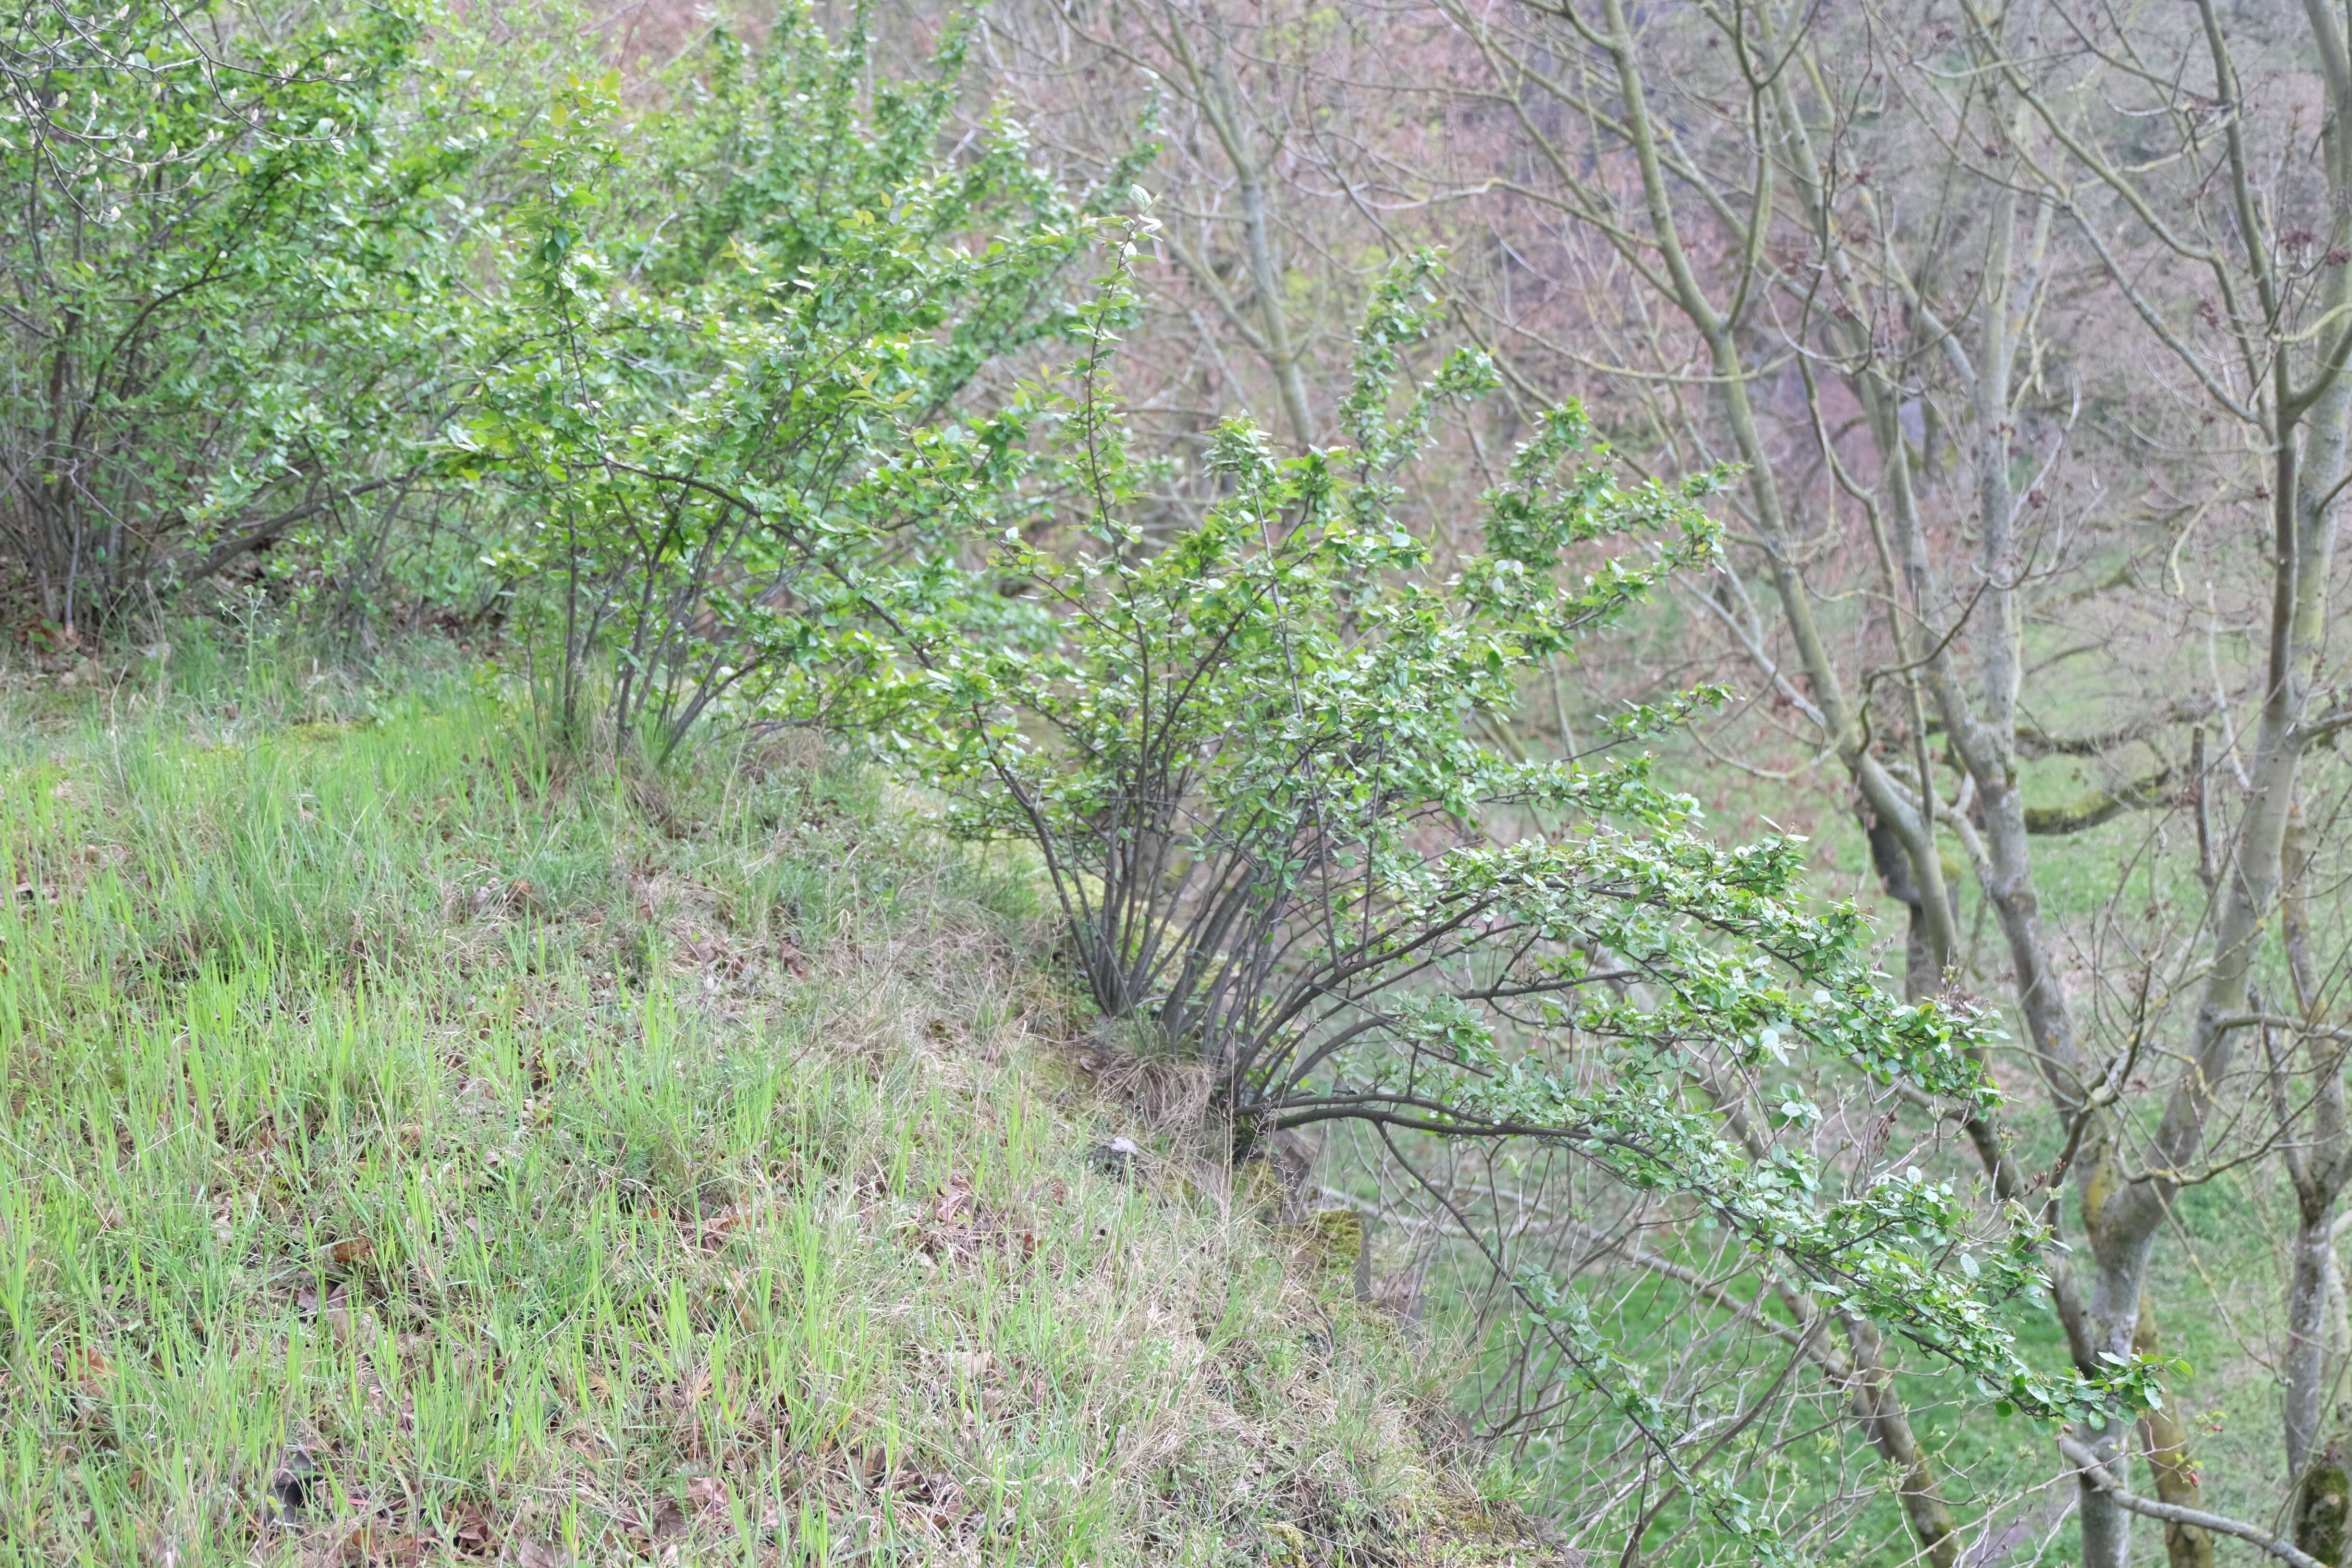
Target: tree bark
x=2185, y=1545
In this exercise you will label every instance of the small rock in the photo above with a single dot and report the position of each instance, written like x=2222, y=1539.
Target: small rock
x=1115, y=1158
x=291, y=1487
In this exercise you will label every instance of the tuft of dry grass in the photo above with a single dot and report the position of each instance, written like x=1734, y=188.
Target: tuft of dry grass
x=419, y=1147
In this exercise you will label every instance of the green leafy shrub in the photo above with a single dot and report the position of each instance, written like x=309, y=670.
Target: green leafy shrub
x=224, y=255
x=744, y=331
x=1243, y=754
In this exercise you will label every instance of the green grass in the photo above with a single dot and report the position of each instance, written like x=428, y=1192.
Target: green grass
x=420, y=1147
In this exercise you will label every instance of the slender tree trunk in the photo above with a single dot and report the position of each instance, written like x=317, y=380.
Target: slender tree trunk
x=1220, y=105
x=2323, y=1500
x=2185, y=1545
x=2307, y=1312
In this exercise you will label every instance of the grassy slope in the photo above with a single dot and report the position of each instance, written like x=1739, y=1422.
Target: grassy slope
x=561, y=1168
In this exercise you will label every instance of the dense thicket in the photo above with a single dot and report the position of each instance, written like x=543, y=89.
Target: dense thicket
x=226, y=259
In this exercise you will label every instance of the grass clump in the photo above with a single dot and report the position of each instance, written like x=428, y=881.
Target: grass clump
x=418, y=1148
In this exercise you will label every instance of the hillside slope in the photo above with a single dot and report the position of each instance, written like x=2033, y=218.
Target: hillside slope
x=418, y=1149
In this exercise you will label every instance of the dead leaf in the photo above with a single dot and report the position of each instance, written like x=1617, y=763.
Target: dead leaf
x=348, y=1325
x=666, y=1520
x=473, y=1536
x=691, y=1389
x=874, y=1464
x=536, y=1555
x=374, y=1546
x=707, y=1494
